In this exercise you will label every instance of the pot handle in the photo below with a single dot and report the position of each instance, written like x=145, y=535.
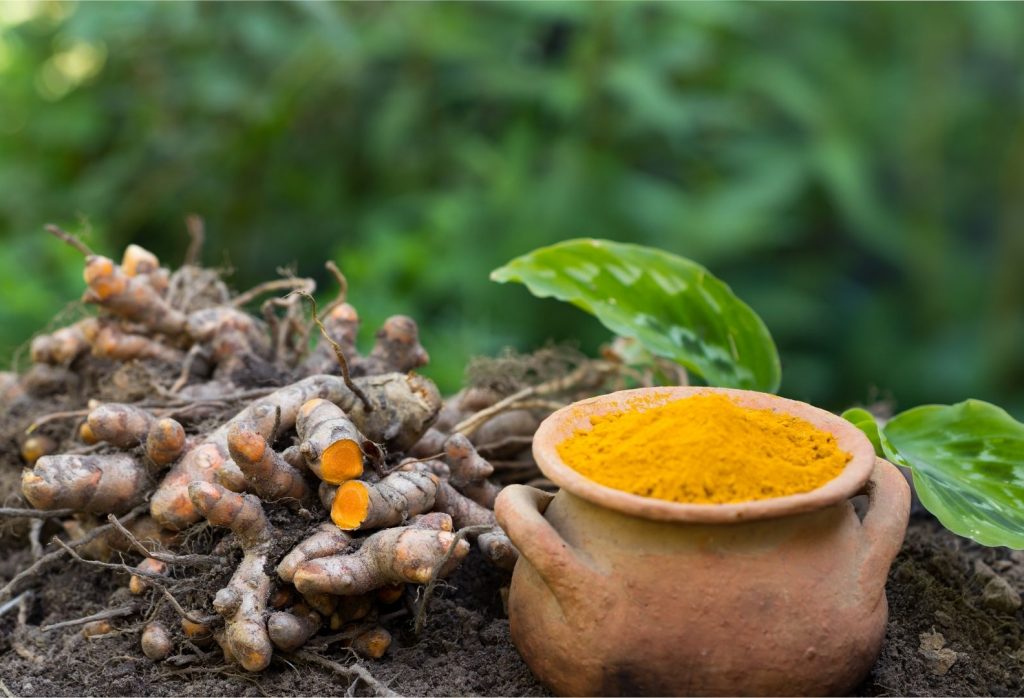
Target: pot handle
x=885, y=523
x=520, y=512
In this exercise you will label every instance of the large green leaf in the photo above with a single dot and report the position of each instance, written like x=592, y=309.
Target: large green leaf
x=968, y=465
x=673, y=306
x=865, y=421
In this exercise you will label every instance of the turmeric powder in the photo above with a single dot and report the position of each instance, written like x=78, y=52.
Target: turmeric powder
x=704, y=449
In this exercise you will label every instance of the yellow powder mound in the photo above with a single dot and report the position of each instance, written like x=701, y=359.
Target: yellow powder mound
x=704, y=449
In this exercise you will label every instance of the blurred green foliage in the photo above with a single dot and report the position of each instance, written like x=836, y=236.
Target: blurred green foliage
x=855, y=172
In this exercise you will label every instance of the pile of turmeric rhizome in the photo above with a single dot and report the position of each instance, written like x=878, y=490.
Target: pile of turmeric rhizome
x=261, y=492
x=261, y=480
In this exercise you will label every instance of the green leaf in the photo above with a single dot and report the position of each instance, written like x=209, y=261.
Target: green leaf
x=673, y=306
x=865, y=421
x=968, y=465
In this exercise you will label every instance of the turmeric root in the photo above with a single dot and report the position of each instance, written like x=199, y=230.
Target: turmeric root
x=463, y=510
x=331, y=443
x=111, y=342
x=156, y=642
x=293, y=457
x=328, y=540
x=498, y=549
x=389, y=594
x=109, y=484
x=123, y=426
x=230, y=333
x=352, y=608
x=126, y=426
x=96, y=628
x=130, y=297
x=266, y=472
x=373, y=643
x=469, y=472
x=430, y=444
x=495, y=545
x=243, y=601
x=327, y=492
x=165, y=441
x=199, y=633
x=289, y=630
x=402, y=404
x=341, y=325
x=11, y=389
x=282, y=598
x=170, y=504
x=403, y=408
x=63, y=346
x=138, y=261
x=138, y=583
x=437, y=520
x=397, y=348
x=333, y=427
x=465, y=463
x=35, y=447
x=144, y=529
x=394, y=555
x=324, y=604
x=359, y=505
x=506, y=424
x=148, y=532
x=85, y=434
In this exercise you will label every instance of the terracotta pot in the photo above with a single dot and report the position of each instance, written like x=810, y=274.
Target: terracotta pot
x=617, y=594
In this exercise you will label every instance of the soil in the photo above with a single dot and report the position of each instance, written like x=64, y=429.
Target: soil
x=943, y=639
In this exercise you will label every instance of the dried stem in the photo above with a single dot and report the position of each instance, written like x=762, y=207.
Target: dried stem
x=160, y=409
x=424, y=459
x=118, y=612
x=70, y=239
x=186, y=367
x=290, y=284
x=153, y=577
x=197, y=236
x=169, y=558
x=35, y=513
x=35, y=529
x=355, y=672
x=53, y=416
x=13, y=603
x=502, y=444
x=339, y=354
x=342, y=287
x=548, y=405
x=588, y=372
x=57, y=554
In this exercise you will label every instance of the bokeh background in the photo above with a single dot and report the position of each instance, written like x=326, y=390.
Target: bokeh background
x=855, y=172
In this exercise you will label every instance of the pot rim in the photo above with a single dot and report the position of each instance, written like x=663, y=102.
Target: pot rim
x=561, y=424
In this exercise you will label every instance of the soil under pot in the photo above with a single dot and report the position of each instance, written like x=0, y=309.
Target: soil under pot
x=619, y=594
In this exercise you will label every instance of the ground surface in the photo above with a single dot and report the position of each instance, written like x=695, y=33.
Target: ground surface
x=934, y=587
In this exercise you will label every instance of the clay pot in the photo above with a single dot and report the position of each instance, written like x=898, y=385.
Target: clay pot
x=617, y=594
